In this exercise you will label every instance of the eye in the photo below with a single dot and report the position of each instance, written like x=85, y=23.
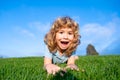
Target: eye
x=70, y=33
x=61, y=32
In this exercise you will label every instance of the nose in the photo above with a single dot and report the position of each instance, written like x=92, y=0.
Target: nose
x=65, y=36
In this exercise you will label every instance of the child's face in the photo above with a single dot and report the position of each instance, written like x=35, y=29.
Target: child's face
x=64, y=38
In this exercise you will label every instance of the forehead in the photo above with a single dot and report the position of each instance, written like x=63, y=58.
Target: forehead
x=65, y=29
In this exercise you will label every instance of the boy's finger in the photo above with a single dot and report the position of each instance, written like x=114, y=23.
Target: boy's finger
x=53, y=72
x=77, y=69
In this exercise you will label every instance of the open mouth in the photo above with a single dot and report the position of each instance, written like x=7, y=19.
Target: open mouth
x=64, y=42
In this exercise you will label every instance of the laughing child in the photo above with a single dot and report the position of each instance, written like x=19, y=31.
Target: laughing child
x=61, y=43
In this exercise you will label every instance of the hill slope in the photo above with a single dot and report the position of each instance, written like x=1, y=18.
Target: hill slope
x=31, y=68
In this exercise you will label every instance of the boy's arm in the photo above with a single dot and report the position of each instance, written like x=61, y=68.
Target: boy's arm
x=47, y=61
x=71, y=63
x=71, y=60
x=51, y=68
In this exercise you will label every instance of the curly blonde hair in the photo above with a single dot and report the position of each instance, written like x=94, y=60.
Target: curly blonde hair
x=62, y=22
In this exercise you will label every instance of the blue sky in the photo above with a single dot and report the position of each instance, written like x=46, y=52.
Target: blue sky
x=23, y=24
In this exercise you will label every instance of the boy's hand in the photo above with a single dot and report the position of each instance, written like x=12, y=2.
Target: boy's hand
x=52, y=69
x=72, y=67
x=62, y=72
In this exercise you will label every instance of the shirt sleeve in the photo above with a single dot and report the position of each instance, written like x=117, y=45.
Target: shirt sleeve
x=47, y=53
x=73, y=53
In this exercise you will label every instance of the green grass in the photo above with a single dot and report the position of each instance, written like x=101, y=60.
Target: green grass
x=31, y=68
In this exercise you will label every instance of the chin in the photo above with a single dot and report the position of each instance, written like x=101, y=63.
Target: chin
x=64, y=48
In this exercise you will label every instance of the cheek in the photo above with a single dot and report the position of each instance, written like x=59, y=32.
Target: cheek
x=60, y=36
x=71, y=37
x=57, y=36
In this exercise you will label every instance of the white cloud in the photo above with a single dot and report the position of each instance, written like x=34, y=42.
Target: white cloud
x=27, y=32
x=24, y=31
x=95, y=32
x=33, y=29
x=40, y=27
x=101, y=36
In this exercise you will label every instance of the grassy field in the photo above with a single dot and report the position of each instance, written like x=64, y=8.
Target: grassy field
x=31, y=68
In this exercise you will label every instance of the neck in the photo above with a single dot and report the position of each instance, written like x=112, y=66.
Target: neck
x=61, y=51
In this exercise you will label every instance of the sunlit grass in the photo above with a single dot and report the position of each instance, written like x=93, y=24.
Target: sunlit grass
x=31, y=68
